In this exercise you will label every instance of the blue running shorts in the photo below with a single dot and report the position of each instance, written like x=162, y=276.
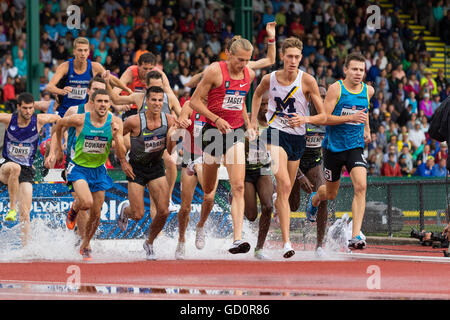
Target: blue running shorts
x=97, y=178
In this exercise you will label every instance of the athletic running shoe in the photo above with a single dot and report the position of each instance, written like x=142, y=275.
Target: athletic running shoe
x=287, y=250
x=179, y=253
x=122, y=220
x=239, y=246
x=190, y=168
x=86, y=254
x=357, y=242
x=71, y=218
x=260, y=255
x=311, y=211
x=149, y=251
x=200, y=238
x=11, y=216
x=172, y=206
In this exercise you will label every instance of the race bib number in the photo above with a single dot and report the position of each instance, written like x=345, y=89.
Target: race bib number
x=234, y=100
x=95, y=144
x=198, y=126
x=284, y=119
x=153, y=144
x=21, y=150
x=78, y=93
x=350, y=110
x=314, y=140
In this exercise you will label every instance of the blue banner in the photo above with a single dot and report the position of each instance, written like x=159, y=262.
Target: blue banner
x=51, y=201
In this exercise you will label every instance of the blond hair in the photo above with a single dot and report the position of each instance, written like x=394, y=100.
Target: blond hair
x=292, y=42
x=80, y=40
x=239, y=42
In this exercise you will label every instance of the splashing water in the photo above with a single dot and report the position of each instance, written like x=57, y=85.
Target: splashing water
x=337, y=238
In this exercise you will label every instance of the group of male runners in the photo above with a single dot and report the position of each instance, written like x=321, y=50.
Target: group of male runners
x=288, y=121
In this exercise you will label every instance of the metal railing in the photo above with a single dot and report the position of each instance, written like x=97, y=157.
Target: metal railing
x=443, y=184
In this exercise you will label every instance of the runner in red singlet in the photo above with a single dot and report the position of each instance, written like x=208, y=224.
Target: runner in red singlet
x=224, y=86
x=191, y=172
x=135, y=77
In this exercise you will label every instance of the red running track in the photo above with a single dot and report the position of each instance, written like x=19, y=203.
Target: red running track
x=352, y=278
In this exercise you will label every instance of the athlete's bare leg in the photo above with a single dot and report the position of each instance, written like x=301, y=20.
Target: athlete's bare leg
x=9, y=175
x=25, y=200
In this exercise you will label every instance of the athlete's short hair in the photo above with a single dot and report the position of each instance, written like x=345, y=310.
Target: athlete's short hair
x=153, y=75
x=25, y=97
x=101, y=91
x=154, y=89
x=97, y=78
x=239, y=42
x=291, y=42
x=147, y=57
x=80, y=40
x=354, y=56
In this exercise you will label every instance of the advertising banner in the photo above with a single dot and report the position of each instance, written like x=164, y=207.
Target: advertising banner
x=51, y=202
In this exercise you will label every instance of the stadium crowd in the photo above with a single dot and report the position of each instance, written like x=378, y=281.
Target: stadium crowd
x=188, y=35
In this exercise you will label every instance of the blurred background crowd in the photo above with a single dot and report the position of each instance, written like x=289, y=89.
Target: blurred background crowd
x=188, y=35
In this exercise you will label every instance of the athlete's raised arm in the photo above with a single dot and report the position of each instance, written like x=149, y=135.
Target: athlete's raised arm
x=271, y=50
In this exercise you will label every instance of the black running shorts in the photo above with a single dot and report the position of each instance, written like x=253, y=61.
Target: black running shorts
x=334, y=161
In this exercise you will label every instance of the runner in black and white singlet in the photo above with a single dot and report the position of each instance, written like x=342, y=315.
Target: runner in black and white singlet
x=150, y=134
x=19, y=150
x=289, y=89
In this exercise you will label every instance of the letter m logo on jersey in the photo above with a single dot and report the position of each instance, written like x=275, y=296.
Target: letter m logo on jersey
x=287, y=104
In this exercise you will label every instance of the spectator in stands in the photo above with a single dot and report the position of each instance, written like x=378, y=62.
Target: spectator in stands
x=442, y=153
x=422, y=154
x=439, y=169
x=391, y=148
x=391, y=168
x=9, y=91
x=405, y=171
x=425, y=168
x=21, y=63
x=435, y=103
x=412, y=101
x=428, y=84
x=417, y=136
x=404, y=141
x=426, y=106
x=405, y=153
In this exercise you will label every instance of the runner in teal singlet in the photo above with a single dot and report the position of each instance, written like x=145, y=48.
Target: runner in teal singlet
x=347, y=132
x=95, y=132
x=95, y=84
